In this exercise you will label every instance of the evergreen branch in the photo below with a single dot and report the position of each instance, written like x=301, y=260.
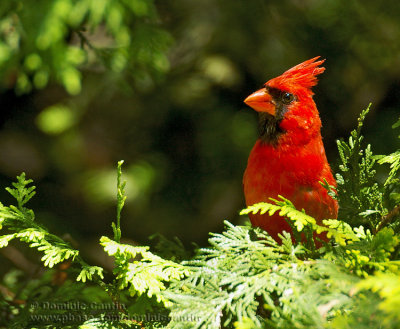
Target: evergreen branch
x=388, y=218
x=54, y=248
x=21, y=192
x=285, y=208
x=340, y=231
x=360, y=196
x=147, y=275
x=233, y=280
x=89, y=273
x=394, y=160
x=121, y=197
x=21, y=220
x=387, y=286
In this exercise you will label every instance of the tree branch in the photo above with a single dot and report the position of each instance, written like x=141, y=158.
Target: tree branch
x=387, y=218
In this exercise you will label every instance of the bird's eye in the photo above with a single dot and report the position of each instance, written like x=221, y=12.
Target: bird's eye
x=287, y=98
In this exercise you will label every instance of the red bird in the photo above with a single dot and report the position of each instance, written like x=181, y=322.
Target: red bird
x=289, y=157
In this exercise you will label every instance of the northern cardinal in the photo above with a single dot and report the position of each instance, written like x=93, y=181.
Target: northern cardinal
x=289, y=157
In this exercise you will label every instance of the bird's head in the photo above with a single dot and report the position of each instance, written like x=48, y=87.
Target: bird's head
x=285, y=103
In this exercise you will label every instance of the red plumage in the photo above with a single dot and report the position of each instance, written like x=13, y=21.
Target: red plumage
x=289, y=157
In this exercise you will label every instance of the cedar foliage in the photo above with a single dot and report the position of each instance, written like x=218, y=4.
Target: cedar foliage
x=243, y=279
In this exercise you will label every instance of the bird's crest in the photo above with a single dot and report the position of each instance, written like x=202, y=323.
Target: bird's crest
x=303, y=74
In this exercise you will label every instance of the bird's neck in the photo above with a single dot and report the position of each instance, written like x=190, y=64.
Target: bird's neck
x=269, y=129
x=289, y=131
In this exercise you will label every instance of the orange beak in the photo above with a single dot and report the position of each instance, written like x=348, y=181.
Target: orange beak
x=261, y=101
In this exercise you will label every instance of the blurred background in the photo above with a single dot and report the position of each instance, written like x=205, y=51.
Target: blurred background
x=160, y=84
